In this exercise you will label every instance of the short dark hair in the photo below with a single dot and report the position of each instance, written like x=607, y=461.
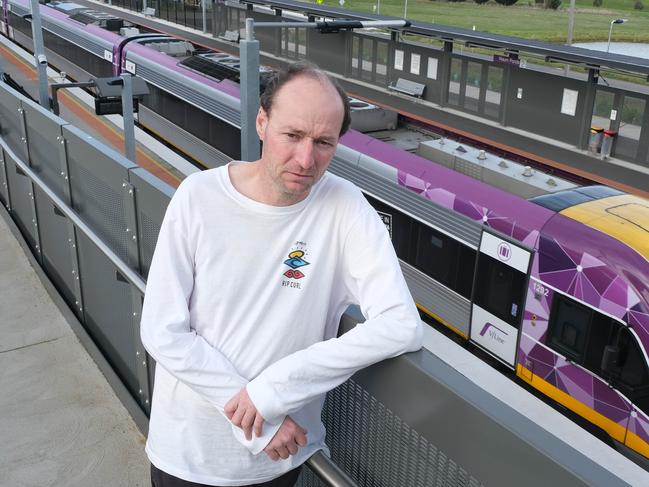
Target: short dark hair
x=276, y=80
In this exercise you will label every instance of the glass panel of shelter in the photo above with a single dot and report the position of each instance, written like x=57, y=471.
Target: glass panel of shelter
x=603, y=109
x=472, y=85
x=493, y=92
x=367, y=58
x=630, y=128
x=475, y=87
x=455, y=81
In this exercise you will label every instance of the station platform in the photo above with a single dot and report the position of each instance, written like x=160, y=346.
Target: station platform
x=61, y=423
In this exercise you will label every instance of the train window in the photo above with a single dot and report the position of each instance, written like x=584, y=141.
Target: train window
x=399, y=226
x=442, y=258
x=633, y=372
x=465, y=270
x=569, y=328
x=603, y=332
x=436, y=253
x=500, y=289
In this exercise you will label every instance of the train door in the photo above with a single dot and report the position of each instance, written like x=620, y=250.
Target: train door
x=498, y=296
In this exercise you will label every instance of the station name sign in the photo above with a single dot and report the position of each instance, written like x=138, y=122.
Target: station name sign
x=506, y=60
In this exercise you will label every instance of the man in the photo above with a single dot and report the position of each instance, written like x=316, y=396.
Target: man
x=254, y=266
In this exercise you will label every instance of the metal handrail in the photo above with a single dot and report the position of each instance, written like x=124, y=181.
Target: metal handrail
x=328, y=471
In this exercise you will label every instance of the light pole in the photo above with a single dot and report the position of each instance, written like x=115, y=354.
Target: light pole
x=39, y=54
x=405, y=10
x=610, y=30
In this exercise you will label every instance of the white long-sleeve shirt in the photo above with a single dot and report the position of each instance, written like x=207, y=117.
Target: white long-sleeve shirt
x=242, y=293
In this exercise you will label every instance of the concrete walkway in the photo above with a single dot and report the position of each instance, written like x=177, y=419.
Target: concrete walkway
x=60, y=422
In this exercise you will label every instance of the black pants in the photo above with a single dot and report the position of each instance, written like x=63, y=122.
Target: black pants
x=163, y=479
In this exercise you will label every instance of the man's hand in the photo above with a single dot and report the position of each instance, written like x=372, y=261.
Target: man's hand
x=289, y=437
x=242, y=412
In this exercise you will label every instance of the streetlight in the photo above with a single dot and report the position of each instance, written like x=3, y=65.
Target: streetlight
x=610, y=30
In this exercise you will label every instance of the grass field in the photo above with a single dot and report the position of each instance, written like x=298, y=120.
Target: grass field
x=523, y=19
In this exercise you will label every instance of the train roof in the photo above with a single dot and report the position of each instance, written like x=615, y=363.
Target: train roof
x=624, y=217
x=503, y=211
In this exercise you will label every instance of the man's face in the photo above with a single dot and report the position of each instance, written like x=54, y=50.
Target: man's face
x=299, y=136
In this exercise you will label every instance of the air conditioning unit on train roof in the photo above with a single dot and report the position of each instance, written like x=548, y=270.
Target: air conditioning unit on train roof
x=496, y=171
x=129, y=31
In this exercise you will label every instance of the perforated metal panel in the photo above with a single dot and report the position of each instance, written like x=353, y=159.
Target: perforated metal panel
x=152, y=198
x=108, y=311
x=207, y=99
x=43, y=128
x=11, y=124
x=55, y=247
x=457, y=226
x=96, y=177
x=378, y=449
x=20, y=188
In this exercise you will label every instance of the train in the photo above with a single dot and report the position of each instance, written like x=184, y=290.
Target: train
x=547, y=276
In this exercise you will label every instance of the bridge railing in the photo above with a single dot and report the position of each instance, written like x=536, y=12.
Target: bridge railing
x=91, y=219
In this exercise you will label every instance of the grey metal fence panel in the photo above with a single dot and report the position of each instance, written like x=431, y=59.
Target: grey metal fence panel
x=152, y=198
x=21, y=195
x=55, y=247
x=11, y=121
x=97, y=175
x=378, y=448
x=44, y=131
x=108, y=310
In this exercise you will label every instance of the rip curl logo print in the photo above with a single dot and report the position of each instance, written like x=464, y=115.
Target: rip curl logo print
x=296, y=262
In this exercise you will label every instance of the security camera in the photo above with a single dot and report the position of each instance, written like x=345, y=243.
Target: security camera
x=42, y=59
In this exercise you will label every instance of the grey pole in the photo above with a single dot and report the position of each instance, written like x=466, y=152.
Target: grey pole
x=144, y=6
x=127, y=116
x=249, y=54
x=204, y=7
x=39, y=55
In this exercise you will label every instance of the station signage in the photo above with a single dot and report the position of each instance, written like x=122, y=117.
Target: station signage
x=498, y=58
